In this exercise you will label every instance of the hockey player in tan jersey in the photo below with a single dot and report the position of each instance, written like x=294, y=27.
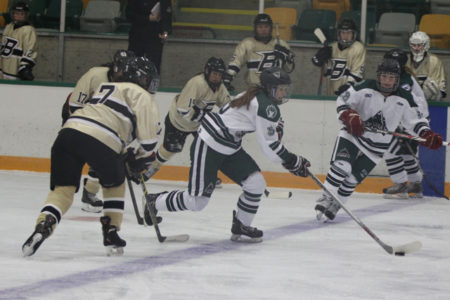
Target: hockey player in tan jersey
x=427, y=67
x=18, y=46
x=119, y=113
x=259, y=53
x=82, y=93
x=344, y=59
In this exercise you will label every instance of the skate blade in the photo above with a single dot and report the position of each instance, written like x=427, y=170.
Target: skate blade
x=416, y=196
x=244, y=239
x=28, y=248
x=114, y=251
x=92, y=209
x=395, y=196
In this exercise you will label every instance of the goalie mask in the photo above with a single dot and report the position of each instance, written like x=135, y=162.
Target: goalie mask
x=399, y=55
x=19, y=13
x=141, y=71
x=388, y=70
x=261, y=34
x=214, y=64
x=419, y=43
x=346, y=32
x=276, y=83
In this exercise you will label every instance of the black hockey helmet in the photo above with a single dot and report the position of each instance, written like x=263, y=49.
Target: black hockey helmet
x=20, y=6
x=120, y=58
x=273, y=77
x=346, y=25
x=142, y=71
x=388, y=66
x=263, y=19
x=214, y=64
x=399, y=55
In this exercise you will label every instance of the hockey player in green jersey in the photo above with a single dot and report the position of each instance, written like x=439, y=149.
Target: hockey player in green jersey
x=118, y=114
x=18, y=46
x=218, y=146
x=372, y=104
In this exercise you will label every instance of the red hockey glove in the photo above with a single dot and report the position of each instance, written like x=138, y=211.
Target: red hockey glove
x=352, y=121
x=433, y=139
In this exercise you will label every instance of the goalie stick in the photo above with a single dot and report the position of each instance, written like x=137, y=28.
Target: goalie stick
x=323, y=40
x=161, y=238
x=279, y=195
x=397, y=250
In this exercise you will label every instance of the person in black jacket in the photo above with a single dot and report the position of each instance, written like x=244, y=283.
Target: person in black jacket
x=151, y=23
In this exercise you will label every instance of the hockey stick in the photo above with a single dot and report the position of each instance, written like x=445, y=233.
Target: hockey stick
x=139, y=219
x=402, y=135
x=161, y=238
x=427, y=180
x=280, y=195
x=398, y=250
x=323, y=40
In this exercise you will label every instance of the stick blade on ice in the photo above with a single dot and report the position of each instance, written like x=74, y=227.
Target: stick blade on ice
x=408, y=248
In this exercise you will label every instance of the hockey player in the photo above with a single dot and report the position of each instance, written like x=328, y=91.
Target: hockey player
x=82, y=93
x=401, y=163
x=97, y=134
x=259, y=53
x=427, y=67
x=18, y=46
x=344, y=59
x=198, y=96
x=378, y=104
x=218, y=147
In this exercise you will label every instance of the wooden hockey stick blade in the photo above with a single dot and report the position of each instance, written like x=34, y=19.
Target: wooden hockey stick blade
x=279, y=195
x=319, y=34
x=176, y=238
x=407, y=248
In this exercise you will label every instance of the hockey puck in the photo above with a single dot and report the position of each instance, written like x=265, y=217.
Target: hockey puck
x=290, y=194
x=400, y=253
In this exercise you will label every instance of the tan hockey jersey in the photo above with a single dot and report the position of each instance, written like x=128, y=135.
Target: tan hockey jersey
x=86, y=86
x=118, y=113
x=18, y=50
x=256, y=56
x=345, y=66
x=196, y=92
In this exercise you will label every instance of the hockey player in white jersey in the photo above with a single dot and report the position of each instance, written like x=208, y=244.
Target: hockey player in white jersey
x=118, y=113
x=427, y=67
x=376, y=104
x=18, y=45
x=402, y=166
x=218, y=147
x=80, y=96
x=258, y=53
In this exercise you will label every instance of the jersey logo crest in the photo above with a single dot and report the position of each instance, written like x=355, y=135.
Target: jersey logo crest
x=9, y=46
x=267, y=61
x=377, y=122
x=338, y=69
x=271, y=112
x=406, y=87
x=270, y=131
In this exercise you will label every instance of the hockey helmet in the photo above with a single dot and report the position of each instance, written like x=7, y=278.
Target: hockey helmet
x=20, y=7
x=419, y=38
x=217, y=65
x=399, y=55
x=392, y=67
x=120, y=59
x=263, y=19
x=276, y=84
x=141, y=71
x=346, y=25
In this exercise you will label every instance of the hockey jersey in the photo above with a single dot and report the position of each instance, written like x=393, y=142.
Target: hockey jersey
x=410, y=84
x=18, y=49
x=223, y=131
x=256, y=56
x=196, y=92
x=117, y=114
x=345, y=65
x=380, y=112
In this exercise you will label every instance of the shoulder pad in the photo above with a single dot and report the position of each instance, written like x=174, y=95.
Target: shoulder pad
x=267, y=109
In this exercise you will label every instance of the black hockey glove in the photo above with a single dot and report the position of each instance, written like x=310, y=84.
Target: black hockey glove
x=298, y=167
x=343, y=88
x=198, y=114
x=322, y=56
x=284, y=54
x=26, y=74
x=137, y=167
x=280, y=129
x=227, y=78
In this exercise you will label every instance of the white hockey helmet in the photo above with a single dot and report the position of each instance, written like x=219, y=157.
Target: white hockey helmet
x=419, y=38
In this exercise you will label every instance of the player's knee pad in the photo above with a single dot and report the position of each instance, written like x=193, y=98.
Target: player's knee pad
x=174, y=141
x=114, y=192
x=351, y=180
x=342, y=167
x=255, y=183
x=196, y=203
x=59, y=201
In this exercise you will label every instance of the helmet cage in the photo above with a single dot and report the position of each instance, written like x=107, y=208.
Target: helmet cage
x=274, y=81
x=262, y=19
x=344, y=26
x=419, y=38
x=214, y=64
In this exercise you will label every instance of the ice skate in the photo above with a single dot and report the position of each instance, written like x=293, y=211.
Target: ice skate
x=90, y=202
x=322, y=205
x=415, y=190
x=111, y=240
x=148, y=202
x=332, y=210
x=41, y=232
x=397, y=191
x=238, y=230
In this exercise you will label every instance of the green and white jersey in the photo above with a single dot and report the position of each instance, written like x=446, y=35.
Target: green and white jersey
x=223, y=131
x=410, y=84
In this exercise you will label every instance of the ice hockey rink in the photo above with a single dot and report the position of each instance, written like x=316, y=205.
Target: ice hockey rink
x=298, y=259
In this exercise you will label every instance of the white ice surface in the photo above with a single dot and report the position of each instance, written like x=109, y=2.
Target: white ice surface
x=298, y=259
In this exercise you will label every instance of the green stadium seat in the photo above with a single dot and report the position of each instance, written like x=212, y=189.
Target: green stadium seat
x=355, y=15
x=311, y=19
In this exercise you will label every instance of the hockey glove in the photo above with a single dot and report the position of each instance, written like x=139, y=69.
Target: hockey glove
x=26, y=74
x=280, y=129
x=198, y=114
x=352, y=121
x=431, y=90
x=343, y=88
x=432, y=140
x=322, y=56
x=298, y=167
x=138, y=167
x=284, y=54
x=227, y=78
